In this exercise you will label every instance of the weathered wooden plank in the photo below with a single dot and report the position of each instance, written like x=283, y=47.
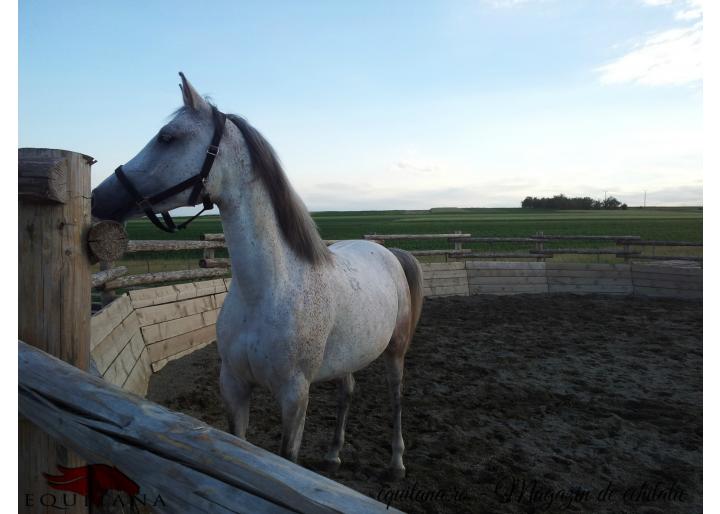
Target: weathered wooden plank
x=493, y=255
x=108, y=349
x=472, y=265
x=450, y=281
x=164, y=276
x=168, y=347
x=168, y=329
x=444, y=274
x=194, y=467
x=667, y=292
x=175, y=310
x=459, y=252
x=399, y=237
x=449, y=290
x=495, y=272
x=119, y=370
x=586, y=289
x=668, y=283
x=666, y=270
x=105, y=321
x=207, y=287
x=434, y=266
x=158, y=365
x=101, y=277
x=580, y=266
x=139, y=378
x=560, y=280
x=166, y=294
x=509, y=281
x=661, y=243
x=157, y=245
x=504, y=290
x=589, y=273
x=214, y=263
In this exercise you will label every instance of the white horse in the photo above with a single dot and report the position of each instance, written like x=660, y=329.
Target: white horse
x=298, y=312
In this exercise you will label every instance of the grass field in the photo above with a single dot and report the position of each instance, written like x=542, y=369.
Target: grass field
x=676, y=223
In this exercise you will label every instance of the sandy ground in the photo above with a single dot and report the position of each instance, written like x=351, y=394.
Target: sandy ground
x=537, y=403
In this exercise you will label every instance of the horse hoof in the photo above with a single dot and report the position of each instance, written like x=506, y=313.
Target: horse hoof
x=395, y=474
x=331, y=465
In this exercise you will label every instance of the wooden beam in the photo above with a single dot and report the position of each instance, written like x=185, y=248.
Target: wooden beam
x=398, y=237
x=164, y=276
x=101, y=277
x=214, y=263
x=152, y=245
x=192, y=466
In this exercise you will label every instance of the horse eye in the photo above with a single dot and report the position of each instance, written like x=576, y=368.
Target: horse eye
x=165, y=138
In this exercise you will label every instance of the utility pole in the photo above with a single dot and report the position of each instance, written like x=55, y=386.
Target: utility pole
x=644, y=199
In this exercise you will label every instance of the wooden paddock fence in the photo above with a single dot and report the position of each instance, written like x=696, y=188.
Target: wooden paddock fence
x=626, y=248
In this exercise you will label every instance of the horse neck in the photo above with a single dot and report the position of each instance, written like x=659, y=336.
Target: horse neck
x=261, y=259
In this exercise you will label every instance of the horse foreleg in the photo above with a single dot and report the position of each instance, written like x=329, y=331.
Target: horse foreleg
x=293, y=402
x=394, y=367
x=236, y=394
x=345, y=388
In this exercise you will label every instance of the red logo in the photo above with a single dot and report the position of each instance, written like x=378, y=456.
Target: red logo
x=92, y=480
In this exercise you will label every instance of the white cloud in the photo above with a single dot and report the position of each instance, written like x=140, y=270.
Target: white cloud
x=670, y=57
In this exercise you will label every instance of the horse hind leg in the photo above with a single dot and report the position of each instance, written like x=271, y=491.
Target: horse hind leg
x=394, y=367
x=345, y=389
x=236, y=395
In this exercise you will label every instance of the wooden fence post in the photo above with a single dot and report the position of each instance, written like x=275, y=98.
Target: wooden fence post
x=540, y=246
x=53, y=298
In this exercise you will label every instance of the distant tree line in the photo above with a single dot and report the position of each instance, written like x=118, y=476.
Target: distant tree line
x=579, y=203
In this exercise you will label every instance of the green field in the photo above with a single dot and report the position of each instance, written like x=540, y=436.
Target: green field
x=677, y=223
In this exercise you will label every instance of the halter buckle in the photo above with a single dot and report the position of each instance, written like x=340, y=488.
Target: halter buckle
x=213, y=150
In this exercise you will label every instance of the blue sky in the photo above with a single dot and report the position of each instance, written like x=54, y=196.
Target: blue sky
x=378, y=105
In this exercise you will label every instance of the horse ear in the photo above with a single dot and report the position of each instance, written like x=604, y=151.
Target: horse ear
x=191, y=98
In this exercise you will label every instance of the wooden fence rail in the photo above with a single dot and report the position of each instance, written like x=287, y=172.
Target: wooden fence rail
x=191, y=466
x=210, y=266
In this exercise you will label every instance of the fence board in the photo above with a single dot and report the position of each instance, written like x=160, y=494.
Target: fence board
x=427, y=275
x=104, y=321
x=509, y=281
x=158, y=365
x=169, y=311
x=667, y=292
x=449, y=281
x=172, y=328
x=169, y=347
x=473, y=265
x=108, y=349
x=433, y=266
x=139, y=378
x=584, y=288
x=509, y=289
x=120, y=368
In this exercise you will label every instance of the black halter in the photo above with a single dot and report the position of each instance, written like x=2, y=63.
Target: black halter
x=197, y=182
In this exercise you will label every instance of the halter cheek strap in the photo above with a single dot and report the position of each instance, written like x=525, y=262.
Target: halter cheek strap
x=197, y=182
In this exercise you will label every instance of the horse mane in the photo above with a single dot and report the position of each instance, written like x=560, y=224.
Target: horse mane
x=296, y=225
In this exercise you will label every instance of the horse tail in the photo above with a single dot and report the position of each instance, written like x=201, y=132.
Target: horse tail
x=414, y=276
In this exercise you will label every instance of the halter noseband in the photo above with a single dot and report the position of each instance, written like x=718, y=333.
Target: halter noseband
x=197, y=182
